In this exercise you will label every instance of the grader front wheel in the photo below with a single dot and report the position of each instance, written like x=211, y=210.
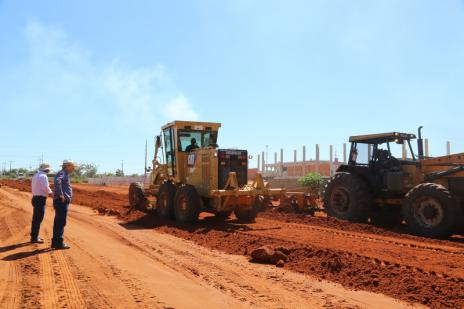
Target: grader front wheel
x=137, y=199
x=186, y=204
x=165, y=202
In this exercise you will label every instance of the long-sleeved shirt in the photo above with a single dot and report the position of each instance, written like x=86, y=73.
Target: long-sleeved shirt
x=63, y=186
x=40, y=185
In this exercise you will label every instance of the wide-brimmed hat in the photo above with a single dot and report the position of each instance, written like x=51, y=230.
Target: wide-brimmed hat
x=69, y=162
x=45, y=167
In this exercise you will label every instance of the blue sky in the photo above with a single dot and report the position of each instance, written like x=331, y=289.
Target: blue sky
x=92, y=80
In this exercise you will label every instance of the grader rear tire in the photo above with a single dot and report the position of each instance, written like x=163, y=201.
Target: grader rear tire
x=431, y=210
x=347, y=197
x=137, y=199
x=186, y=204
x=165, y=202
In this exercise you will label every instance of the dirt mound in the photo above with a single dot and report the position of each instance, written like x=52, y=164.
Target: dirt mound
x=330, y=222
x=104, y=202
x=21, y=185
x=267, y=255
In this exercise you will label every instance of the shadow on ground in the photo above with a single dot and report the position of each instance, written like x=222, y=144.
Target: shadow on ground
x=23, y=255
x=15, y=246
x=203, y=225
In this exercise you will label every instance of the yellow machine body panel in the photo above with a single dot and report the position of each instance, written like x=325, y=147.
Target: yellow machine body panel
x=202, y=170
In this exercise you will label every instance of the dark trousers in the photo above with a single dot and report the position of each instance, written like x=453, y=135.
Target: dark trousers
x=61, y=212
x=38, y=202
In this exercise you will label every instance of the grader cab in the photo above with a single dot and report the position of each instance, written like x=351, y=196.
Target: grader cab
x=194, y=175
x=427, y=193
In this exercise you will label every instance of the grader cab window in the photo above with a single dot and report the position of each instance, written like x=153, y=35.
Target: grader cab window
x=201, y=139
x=170, y=155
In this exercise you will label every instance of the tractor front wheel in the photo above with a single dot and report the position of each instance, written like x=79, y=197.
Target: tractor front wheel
x=186, y=204
x=431, y=210
x=347, y=197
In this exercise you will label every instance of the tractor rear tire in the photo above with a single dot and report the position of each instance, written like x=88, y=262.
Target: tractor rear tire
x=431, y=210
x=247, y=214
x=187, y=204
x=165, y=201
x=347, y=197
x=137, y=199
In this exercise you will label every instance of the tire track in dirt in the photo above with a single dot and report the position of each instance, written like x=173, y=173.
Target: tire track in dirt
x=47, y=282
x=135, y=288
x=12, y=292
x=30, y=282
x=61, y=284
x=228, y=276
x=47, y=277
x=90, y=293
x=169, y=257
x=132, y=285
x=129, y=289
x=69, y=295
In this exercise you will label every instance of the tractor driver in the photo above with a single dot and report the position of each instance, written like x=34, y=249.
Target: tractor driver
x=193, y=145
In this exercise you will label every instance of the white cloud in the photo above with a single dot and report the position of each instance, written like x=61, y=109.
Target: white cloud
x=58, y=70
x=179, y=108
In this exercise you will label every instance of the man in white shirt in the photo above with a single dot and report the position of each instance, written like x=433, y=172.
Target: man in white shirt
x=40, y=191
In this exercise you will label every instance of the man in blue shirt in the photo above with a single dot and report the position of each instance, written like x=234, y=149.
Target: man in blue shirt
x=62, y=196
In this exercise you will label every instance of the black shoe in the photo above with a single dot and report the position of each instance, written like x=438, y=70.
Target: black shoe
x=37, y=240
x=61, y=246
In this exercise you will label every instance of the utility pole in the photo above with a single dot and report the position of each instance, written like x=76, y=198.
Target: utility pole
x=122, y=167
x=10, y=164
x=145, y=170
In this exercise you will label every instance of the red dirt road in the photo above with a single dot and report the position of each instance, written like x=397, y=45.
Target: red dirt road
x=358, y=256
x=113, y=264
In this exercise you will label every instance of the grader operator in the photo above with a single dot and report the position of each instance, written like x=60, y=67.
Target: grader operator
x=193, y=175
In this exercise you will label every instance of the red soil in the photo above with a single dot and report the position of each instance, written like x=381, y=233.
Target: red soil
x=358, y=256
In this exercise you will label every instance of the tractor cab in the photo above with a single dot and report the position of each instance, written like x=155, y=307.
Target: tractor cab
x=372, y=158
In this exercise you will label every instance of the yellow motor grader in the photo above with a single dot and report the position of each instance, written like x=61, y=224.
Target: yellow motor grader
x=427, y=193
x=194, y=175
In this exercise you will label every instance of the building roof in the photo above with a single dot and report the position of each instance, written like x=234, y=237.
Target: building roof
x=382, y=138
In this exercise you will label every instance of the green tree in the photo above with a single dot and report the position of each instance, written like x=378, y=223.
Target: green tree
x=313, y=181
x=119, y=172
x=89, y=169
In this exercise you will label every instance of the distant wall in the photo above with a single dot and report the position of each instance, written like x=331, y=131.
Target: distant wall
x=288, y=183
x=252, y=174
x=113, y=180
